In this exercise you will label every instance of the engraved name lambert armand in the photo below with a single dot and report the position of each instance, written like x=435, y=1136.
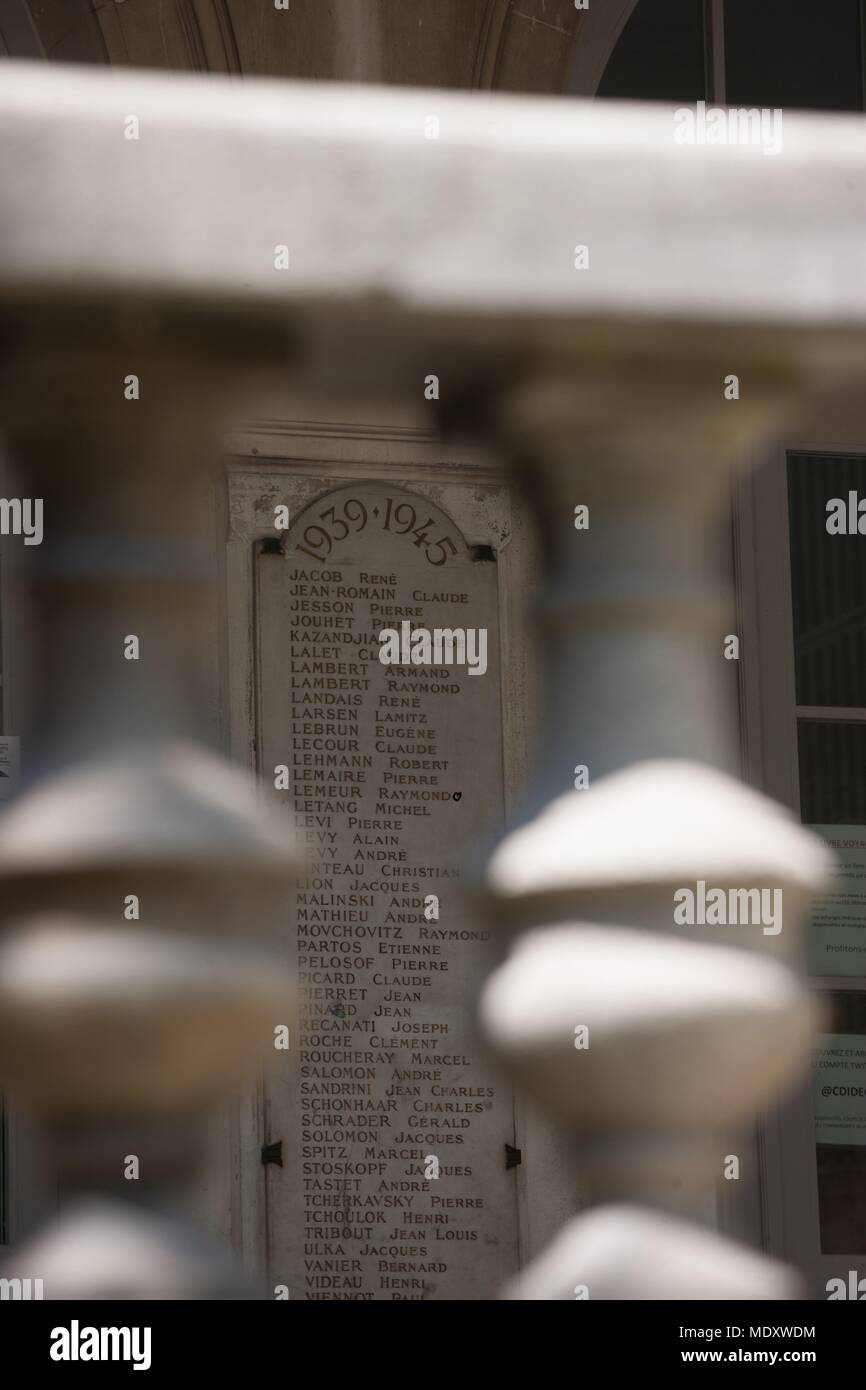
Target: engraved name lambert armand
x=438, y=646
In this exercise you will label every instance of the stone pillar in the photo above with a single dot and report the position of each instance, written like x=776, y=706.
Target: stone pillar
x=652, y=1038
x=142, y=878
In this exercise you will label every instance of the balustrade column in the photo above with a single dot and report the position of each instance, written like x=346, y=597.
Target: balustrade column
x=143, y=880
x=653, y=1040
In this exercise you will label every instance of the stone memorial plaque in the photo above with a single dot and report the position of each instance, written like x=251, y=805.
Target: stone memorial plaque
x=393, y=1127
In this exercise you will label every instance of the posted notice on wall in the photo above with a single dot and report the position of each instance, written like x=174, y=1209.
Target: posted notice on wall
x=837, y=932
x=8, y=767
x=839, y=1088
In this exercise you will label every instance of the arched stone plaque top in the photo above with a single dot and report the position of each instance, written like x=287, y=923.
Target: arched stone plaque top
x=347, y=522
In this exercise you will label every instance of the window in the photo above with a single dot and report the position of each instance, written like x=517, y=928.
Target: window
x=828, y=587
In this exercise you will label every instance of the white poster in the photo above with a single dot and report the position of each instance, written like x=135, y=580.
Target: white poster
x=8, y=767
x=839, y=1088
x=837, y=934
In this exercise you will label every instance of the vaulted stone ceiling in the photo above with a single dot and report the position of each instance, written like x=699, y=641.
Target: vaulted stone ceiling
x=514, y=45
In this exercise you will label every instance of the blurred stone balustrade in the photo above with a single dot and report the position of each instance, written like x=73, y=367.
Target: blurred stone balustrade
x=157, y=256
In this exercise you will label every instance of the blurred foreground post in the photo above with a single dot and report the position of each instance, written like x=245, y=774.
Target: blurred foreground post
x=655, y=1039
x=142, y=882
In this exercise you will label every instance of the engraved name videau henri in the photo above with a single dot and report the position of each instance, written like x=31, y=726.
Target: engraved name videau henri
x=394, y=1126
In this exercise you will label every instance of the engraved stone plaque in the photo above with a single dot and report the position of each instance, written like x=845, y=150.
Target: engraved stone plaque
x=393, y=1182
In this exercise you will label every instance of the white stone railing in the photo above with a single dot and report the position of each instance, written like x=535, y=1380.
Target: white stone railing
x=165, y=245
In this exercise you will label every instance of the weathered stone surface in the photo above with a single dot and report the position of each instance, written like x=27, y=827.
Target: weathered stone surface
x=482, y=220
x=675, y=1036
x=624, y=1252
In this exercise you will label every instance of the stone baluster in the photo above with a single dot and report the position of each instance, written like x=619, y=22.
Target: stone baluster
x=142, y=878
x=652, y=1040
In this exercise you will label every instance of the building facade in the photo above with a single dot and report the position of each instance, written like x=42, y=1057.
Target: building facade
x=390, y=517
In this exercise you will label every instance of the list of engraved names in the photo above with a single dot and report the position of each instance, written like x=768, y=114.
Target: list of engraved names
x=394, y=1127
